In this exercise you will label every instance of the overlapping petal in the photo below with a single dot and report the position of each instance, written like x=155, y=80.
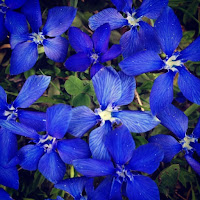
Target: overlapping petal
x=13, y=4
x=3, y=99
x=95, y=68
x=16, y=39
x=193, y=163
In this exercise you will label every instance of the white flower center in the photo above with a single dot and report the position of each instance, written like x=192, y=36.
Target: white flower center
x=186, y=142
x=171, y=63
x=37, y=37
x=132, y=20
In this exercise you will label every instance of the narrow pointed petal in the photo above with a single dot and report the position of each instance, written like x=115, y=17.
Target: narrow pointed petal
x=93, y=168
x=56, y=48
x=110, y=16
x=23, y=58
x=58, y=118
x=32, y=119
x=29, y=156
x=189, y=85
x=141, y=62
x=111, y=90
x=4, y=195
x=79, y=40
x=168, y=144
x=137, y=121
x=194, y=164
x=52, y=167
x=162, y=92
x=169, y=31
x=3, y=99
x=18, y=128
x=32, y=89
x=175, y=120
x=82, y=120
x=101, y=38
x=128, y=89
x=31, y=9
x=142, y=185
x=146, y=158
x=59, y=19
x=95, y=68
x=13, y=4
x=97, y=142
x=120, y=145
x=192, y=52
x=78, y=62
x=9, y=177
x=73, y=149
x=3, y=30
x=151, y=8
x=196, y=130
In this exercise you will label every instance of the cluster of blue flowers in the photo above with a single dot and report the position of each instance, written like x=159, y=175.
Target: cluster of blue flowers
x=110, y=151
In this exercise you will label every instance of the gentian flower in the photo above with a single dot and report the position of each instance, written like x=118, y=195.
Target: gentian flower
x=177, y=122
x=91, y=51
x=25, y=44
x=133, y=40
x=125, y=171
x=112, y=90
x=4, y=195
x=169, y=31
x=50, y=152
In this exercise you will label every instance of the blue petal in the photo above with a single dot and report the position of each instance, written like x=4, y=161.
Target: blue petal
x=16, y=23
x=78, y=62
x=79, y=40
x=196, y=130
x=31, y=9
x=18, y=128
x=196, y=147
x=162, y=92
x=101, y=38
x=93, y=168
x=3, y=31
x=73, y=186
x=58, y=118
x=120, y=145
x=128, y=88
x=97, y=141
x=137, y=121
x=112, y=53
x=192, y=52
x=72, y=149
x=8, y=142
x=175, y=120
x=59, y=19
x=120, y=4
x=95, y=68
x=83, y=119
x=194, y=164
x=189, y=85
x=131, y=43
x=4, y=195
x=141, y=62
x=168, y=144
x=109, y=15
x=23, y=58
x=32, y=119
x=151, y=8
x=169, y=30
x=9, y=177
x=111, y=90
x=56, y=48
x=146, y=158
x=29, y=156
x=115, y=192
x=144, y=188
x=16, y=39
x=52, y=167
x=13, y=4
x=32, y=89
x=3, y=99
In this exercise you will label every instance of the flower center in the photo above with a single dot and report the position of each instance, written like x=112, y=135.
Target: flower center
x=48, y=142
x=94, y=58
x=172, y=63
x=132, y=20
x=3, y=8
x=123, y=174
x=37, y=37
x=11, y=113
x=185, y=142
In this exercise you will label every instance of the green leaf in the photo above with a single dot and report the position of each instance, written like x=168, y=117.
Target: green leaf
x=89, y=89
x=53, y=90
x=139, y=140
x=29, y=73
x=48, y=100
x=81, y=100
x=73, y=85
x=73, y=3
x=185, y=177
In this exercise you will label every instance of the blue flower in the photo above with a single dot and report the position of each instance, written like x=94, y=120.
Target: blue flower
x=25, y=44
x=50, y=152
x=125, y=171
x=169, y=31
x=112, y=91
x=133, y=40
x=177, y=122
x=4, y=195
x=91, y=51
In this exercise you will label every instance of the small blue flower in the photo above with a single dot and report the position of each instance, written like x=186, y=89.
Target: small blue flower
x=112, y=91
x=133, y=40
x=125, y=170
x=169, y=32
x=177, y=122
x=91, y=51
